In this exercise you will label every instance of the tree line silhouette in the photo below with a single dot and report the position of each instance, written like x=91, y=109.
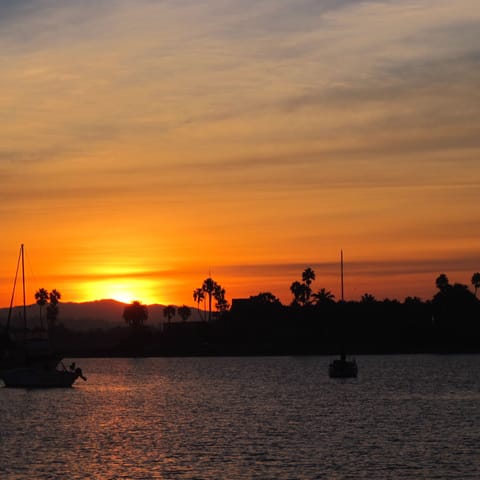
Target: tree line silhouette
x=313, y=323
x=51, y=300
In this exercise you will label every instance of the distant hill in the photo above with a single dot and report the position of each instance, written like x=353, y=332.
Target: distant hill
x=89, y=315
x=96, y=314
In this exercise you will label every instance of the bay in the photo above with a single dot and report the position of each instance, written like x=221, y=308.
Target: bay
x=404, y=417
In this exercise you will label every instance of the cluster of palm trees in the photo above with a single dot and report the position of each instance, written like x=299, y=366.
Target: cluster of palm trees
x=444, y=286
x=211, y=290
x=303, y=293
x=170, y=311
x=135, y=315
x=50, y=299
x=476, y=281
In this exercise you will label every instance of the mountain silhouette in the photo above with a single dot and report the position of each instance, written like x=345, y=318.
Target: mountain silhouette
x=89, y=315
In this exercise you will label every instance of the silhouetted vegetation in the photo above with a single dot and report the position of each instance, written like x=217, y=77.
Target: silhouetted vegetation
x=211, y=290
x=314, y=323
x=169, y=312
x=184, y=312
x=52, y=308
x=51, y=300
x=135, y=315
x=476, y=281
x=41, y=297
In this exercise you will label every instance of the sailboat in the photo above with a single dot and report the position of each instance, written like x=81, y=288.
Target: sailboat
x=343, y=367
x=28, y=360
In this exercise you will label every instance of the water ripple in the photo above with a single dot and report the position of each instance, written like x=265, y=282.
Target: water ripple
x=405, y=417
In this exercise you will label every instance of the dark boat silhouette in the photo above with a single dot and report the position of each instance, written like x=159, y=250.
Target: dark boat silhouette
x=27, y=359
x=343, y=367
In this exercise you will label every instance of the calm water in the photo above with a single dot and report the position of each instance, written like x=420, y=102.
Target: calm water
x=405, y=417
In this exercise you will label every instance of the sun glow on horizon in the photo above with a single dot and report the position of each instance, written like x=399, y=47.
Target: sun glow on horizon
x=124, y=297
x=124, y=291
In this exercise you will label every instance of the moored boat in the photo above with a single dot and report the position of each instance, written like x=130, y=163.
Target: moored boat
x=28, y=359
x=40, y=377
x=343, y=368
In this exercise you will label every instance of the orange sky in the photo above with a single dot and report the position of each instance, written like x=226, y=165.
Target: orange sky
x=146, y=144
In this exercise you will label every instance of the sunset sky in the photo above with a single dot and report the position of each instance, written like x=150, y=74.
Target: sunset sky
x=148, y=144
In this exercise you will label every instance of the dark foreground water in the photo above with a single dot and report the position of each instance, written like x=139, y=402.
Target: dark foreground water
x=405, y=417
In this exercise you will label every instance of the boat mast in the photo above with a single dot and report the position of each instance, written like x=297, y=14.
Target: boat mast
x=10, y=310
x=341, y=271
x=23, y=286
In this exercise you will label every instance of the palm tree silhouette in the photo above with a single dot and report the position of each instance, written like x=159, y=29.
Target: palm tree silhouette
x=208, y=287
x=308, y=276
x=52, y=308
x=221, y=302
x=213, y=290
x=169, y=312
x=368, y=298
x=41, y=296
x=135, y=314
x=184, y=312
x=199, y=296
x=476, y=281
x=442, y=282
x=323, y=296
x=300, y=295
x=302, y=291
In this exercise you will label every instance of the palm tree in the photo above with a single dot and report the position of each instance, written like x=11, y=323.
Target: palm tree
x=169, y=312
x=184, y=312
x=41, y=296
x=323, y=297
x=212, y=290
x=135, y=314
x=208, y=287
x=300, y=293
x=221, y=302
x=52, y=308
x=199, y=296
x=308, y=276
x=55, y=296
x=368, y=298
x=442, y=282
x=476, y=281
